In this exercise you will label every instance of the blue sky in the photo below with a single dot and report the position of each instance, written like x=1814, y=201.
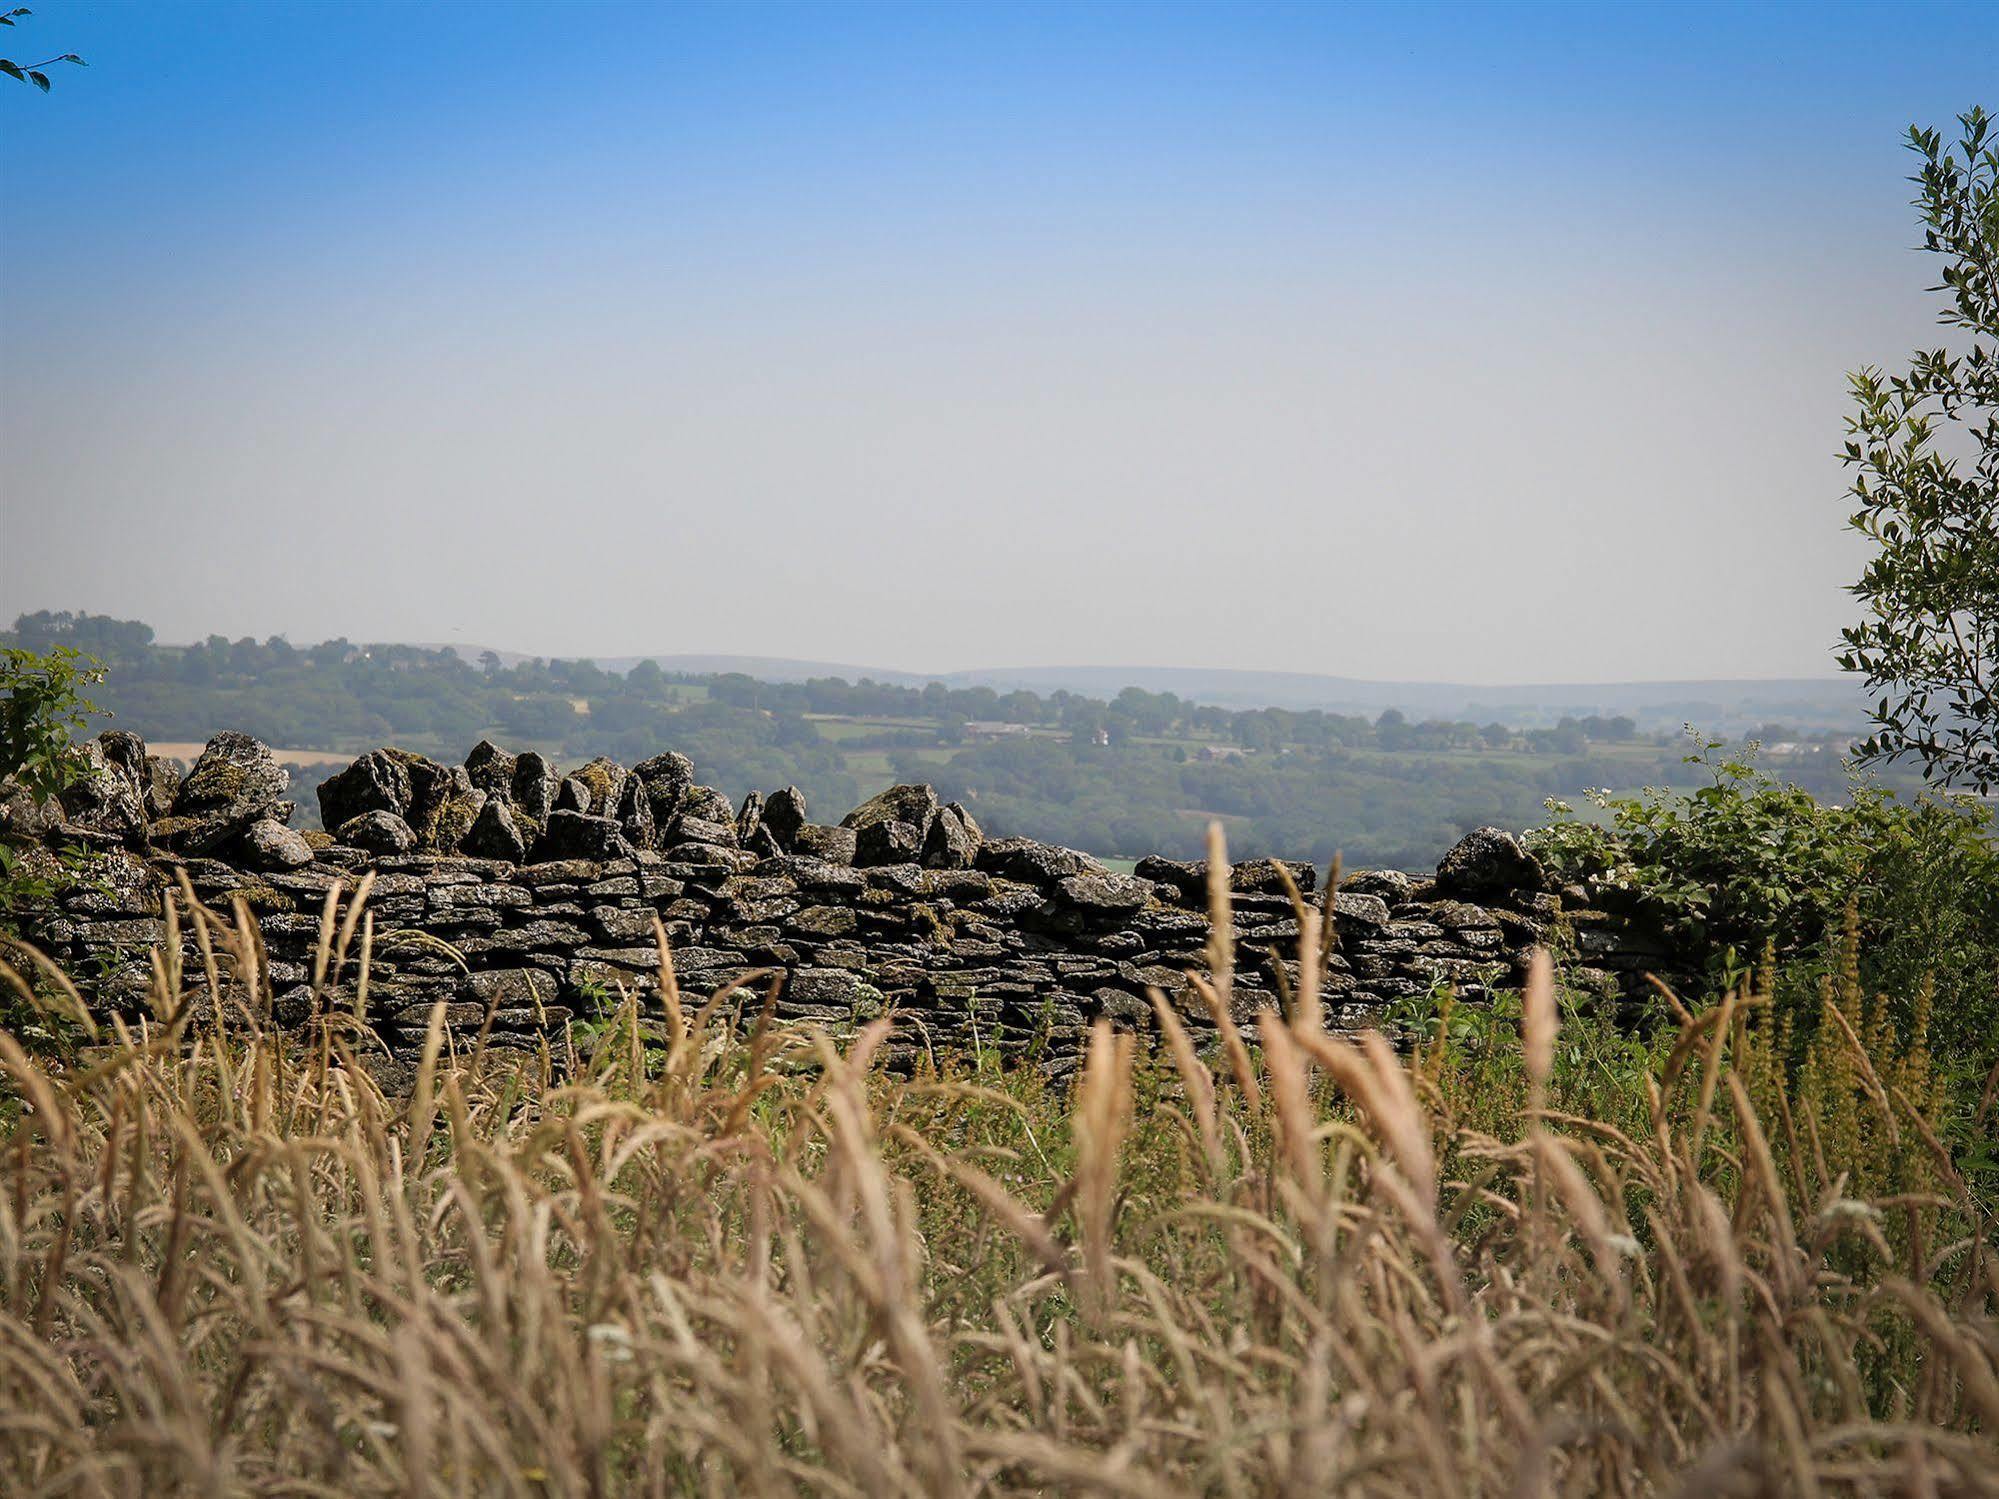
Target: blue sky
x=1469, y=342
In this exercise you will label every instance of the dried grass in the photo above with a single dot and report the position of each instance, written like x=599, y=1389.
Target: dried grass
x=231, y=1264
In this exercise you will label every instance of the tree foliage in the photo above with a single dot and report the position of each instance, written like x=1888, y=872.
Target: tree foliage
x=1925, y=445
x=42, y=711
x=32, y=72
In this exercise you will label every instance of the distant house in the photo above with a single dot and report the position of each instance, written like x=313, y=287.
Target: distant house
x=1214, y=752
x=991, y=728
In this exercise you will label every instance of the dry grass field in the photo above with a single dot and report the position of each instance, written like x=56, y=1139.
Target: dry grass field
x=689, y=1252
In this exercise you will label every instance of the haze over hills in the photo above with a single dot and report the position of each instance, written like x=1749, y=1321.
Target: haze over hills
x=1724, y=705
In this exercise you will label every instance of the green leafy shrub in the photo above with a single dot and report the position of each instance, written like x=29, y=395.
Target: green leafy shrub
x=1747, y=862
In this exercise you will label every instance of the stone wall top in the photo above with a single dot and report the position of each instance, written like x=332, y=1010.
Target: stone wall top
x=541, y=890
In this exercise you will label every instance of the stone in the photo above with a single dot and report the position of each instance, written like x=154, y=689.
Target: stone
x=1489, y=862
x=666, y=779
x=1188, y=877
x=269, y=845
x=25, y=816
x=888, y=841
x=911, y=804
x=605, y=779
x=1389, y=885
x=953, y=840
x=1352, y=908
x=1266, y=877
x=534, y=785
x=451, y=816
x=1459, y=915
x=833, y=845
x=580, y=835
x=378, y=832
x=808, y=873
x=750, y=818
x=106, y=797
x=784, y=815
x=235, y=779
x=690, y=829
x=1033, y=863
x=633, y=814
x=377, y=782
x=709, y=805
x=494, y=834
x=162, y=783
x=1103, y=893
x=823, y=921
x=512, y=986
x=491, y=769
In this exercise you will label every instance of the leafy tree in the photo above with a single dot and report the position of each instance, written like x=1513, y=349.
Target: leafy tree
x=42, y=711
x=1926, y=448
x=31, y=72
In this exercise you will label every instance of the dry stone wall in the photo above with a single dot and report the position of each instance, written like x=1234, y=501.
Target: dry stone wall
x=541, y=890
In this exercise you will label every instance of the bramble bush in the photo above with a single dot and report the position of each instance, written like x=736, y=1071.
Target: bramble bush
x=1747, y=862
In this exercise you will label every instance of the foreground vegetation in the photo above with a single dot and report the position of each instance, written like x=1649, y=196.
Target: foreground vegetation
x=687, y=1252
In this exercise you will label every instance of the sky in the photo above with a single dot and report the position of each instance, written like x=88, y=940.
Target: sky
x=1474, y=343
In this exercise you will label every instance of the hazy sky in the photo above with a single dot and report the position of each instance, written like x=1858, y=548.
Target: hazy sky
x=1482, y=343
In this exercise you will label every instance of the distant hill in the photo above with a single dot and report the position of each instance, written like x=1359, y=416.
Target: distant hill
x=1720, y=704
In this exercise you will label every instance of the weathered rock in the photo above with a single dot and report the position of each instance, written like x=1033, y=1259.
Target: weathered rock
x=690, y=829
x=1460, y=915
x=1187, y=876
x=494, y=834
x=162, y=783
x=914, y=805
x=1266, y=876
x=1489, y=862
x=888, y=841
x=606, y=779
x=834, y=845
x=534, y=785
x=666, y=779
x=378, y=832
x=377, y=782
x=25, y=816
x=491, y=769
x=953, y=840
x=634, y=814
x=579, y=835
x=450, y=816
x=1389, y=885
x=1033, y=863
x=784, y=814
x=106, y=797
x=710, y=805
x=235, y=780
x=750, y=818
x=1102, y=893
x=809, y=873
x=269, y=845
x=1352, y=908
x=572, y=796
